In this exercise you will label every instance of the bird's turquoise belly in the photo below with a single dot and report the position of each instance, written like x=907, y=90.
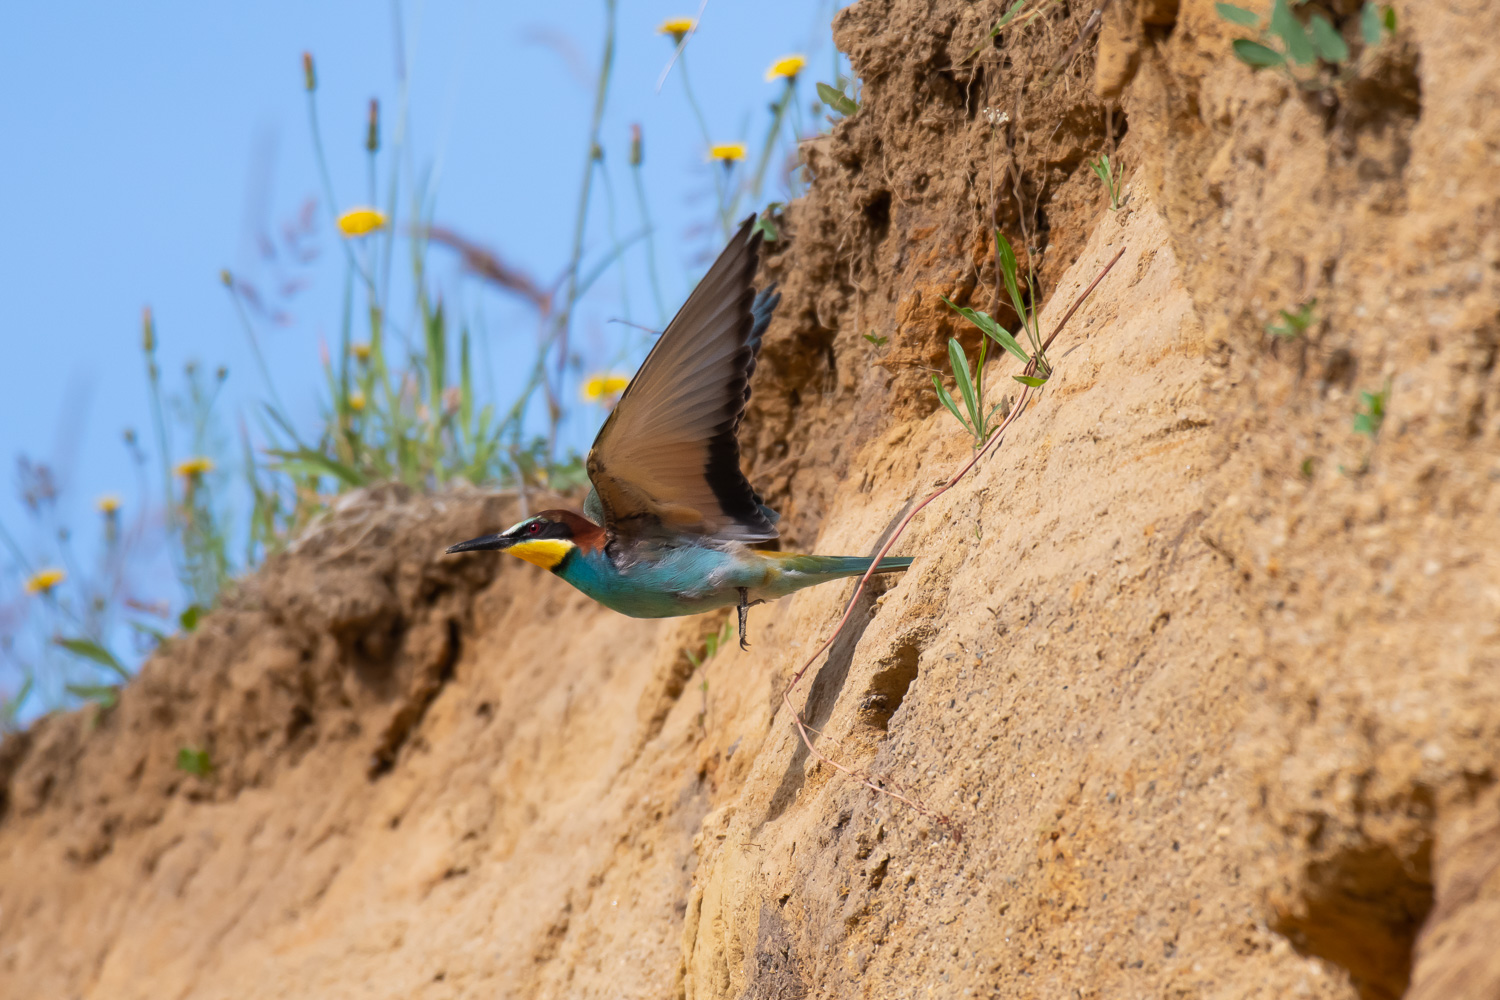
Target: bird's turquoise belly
x=685, y=581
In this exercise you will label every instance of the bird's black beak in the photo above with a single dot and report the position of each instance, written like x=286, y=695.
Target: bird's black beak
x=482, y=543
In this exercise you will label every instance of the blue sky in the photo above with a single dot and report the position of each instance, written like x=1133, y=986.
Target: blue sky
x=147, y=145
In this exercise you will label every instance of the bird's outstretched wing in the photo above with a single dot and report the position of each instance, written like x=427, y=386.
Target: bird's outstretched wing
x=667, y=461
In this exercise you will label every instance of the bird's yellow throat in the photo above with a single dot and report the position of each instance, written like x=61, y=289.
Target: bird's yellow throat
x=547, y=553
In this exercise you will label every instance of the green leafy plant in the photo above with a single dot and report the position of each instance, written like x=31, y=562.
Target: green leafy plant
x=712, y=643
x=1369, y=416
x=1312, y=54
x=1111, y=177
x=877, y=341
x=974, y=417
x=195, y=760
x=1294, y=324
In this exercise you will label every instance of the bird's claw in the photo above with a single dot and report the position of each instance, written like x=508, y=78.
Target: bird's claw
x=744, y=610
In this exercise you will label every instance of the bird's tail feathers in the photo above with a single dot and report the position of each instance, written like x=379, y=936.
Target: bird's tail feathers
x=834, y=567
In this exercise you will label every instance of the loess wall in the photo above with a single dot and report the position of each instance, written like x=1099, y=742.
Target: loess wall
x=1205, y=684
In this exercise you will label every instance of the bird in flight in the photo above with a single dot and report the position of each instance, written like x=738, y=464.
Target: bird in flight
x=669, y=526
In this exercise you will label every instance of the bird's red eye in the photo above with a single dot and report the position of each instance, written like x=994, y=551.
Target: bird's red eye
x=534, y=528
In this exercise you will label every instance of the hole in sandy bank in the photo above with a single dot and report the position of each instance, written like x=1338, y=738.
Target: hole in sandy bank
x=888, y=687
x=1362, y=910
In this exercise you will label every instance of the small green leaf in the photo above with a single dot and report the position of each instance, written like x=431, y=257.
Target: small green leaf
x=960, y=362
x=1285, y=25
x=189, y=617
x=766, y=228
x=1255, y=54
x=91, y=650
x=1237, y=15
x=1369, y=24
x=991, y=329
x=1009, y=269
x=103, y=695
x=877, y=341
x=1388, y=18
x=1330, y=44
x=1031, y=380
x=837, y=100
x=947, y=400
x=195, y=761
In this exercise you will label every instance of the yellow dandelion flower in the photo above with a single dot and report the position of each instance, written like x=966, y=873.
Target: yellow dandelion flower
x=727, y=152
x=357, y=402
x=677, y=27
x=361, y=352
x=192, y=468
x=361, y=221
x=43, y=580
x=786, y=68
x=604, y=387
x=108, y=504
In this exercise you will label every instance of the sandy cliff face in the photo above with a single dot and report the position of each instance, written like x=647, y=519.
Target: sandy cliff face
x=1207, y=684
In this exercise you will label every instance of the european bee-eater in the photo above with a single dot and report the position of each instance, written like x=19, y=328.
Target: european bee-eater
x=668, y=527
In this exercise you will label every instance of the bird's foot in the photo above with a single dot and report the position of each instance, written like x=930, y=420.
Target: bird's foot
x=744, y=609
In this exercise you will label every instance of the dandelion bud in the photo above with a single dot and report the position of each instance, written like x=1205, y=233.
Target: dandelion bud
x=148, y=330
x=597, y=152
x=226, y=277
x=222, y=373
x=372, y=134
x=130, y=436
x=636, y=153
x=190, y=369
x=309, y=74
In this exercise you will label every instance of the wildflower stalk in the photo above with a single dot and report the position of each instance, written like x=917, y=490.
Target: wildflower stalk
x=249, y=328
x=614, y=239
x=720, y=176
x=637, y=157
x=322, y=160
x=153, y=381
x=778, y=113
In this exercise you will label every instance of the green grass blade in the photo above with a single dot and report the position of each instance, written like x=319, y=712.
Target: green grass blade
x=307, y=460
x=91, y=650
x=991, y=329
x=103, y=695
x=1009, y=270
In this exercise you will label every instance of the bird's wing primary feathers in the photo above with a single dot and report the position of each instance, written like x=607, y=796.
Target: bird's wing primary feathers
x=667, y=461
